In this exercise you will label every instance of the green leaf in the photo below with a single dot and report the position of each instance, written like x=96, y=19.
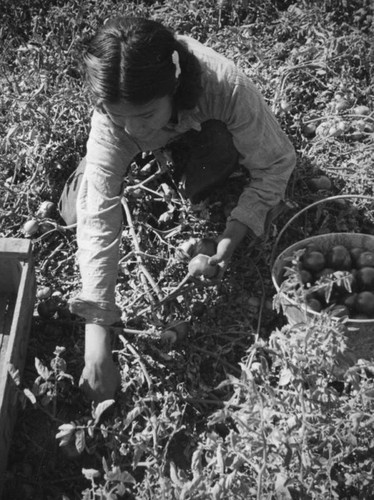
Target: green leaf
x=100, y=408
x=132, y=416
x=14, y=373
x=285, y=377
x=66, y=433
x=30, y=395
x=196, y=461
x=116, y=474
x=105, y=465
x=42, y=370
x=59, y=350
x=80, y=440
x=283, y=493
x=63, y=375
x=90, y=473
x=369, y=394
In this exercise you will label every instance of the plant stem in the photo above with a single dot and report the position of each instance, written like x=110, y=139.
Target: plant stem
x=144, y=273
x=137, y=356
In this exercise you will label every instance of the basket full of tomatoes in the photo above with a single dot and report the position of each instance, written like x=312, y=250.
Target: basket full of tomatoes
x=332, y=273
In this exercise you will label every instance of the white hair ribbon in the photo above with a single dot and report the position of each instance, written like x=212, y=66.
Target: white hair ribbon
x=175, y=59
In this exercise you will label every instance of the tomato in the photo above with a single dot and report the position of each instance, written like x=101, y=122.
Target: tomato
x=353, y=280
x=311, y=247
x=44, y=292
x=175, y=332
x=320, y=294
x=364, y=279
x=64, y=313
x=365, y=303
x=355, y=253
x=205, y=246
x=314, y=304
x=45, y=209
x=198, y=309
x=365, y=259
x=30, y=227
x=199, y=266
x=47, y=308
x=306, y=276
x=350, y=301
x=339, y=258
x=321, y=182
x=313, y=261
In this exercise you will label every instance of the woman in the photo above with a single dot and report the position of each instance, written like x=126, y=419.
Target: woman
x=156, y=91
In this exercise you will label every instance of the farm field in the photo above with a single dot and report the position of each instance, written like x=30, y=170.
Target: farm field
x=222, y=397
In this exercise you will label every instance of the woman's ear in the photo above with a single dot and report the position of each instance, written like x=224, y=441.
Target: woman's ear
x=99, y=104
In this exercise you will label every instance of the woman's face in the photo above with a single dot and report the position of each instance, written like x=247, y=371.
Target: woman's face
x=141, y=121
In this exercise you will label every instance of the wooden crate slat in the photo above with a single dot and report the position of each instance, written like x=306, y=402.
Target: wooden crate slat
x=15, y=248
x=23, y=310
x=4, y=298
x=7, y=304
x=17, y=296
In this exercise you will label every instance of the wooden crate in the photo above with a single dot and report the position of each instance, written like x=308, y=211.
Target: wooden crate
x=17, y=297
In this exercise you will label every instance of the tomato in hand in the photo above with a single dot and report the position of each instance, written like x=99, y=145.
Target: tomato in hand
x=205, y=246
x=199, y=266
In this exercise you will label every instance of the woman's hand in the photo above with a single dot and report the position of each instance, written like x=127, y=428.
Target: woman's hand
x=100, y=377
x=234, y=233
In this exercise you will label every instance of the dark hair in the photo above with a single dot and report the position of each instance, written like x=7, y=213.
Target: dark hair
x=131, y=58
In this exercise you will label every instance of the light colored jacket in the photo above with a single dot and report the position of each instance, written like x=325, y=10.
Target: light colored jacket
x=228, y=95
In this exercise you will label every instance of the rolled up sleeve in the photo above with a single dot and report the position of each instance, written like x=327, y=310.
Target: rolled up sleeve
x=99, y=223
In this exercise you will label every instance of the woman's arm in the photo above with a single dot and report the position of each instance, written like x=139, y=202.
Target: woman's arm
x=234, y=233
x=100, y=377
x=264, y=149
x=99, y=230
x=266, y=152
x=99, y=221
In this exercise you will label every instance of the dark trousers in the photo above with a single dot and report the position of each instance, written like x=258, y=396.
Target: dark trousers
x=203, y=159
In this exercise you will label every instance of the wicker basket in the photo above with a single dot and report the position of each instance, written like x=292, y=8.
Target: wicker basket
x=360, y=333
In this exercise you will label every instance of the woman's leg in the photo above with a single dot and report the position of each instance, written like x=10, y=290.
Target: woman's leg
x=68, y=201
x=203, y=160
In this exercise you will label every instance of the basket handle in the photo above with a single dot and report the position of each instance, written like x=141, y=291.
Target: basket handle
x=318, y=202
